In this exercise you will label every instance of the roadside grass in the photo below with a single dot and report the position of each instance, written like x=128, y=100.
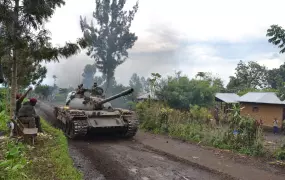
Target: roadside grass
x=48, y=159
x=196, y=126
x=280, y=152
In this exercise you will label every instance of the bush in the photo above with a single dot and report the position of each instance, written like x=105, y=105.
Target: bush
x=3, y=121
x=4, y=106
x=194, y=125
x=13, y=163
x=280, y=152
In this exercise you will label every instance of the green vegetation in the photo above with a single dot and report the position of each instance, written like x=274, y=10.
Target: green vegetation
x=48, y=159
x=185, y=109
x=196, y=125
x=280, y=152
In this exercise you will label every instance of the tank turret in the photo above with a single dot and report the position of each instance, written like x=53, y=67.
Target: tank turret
x=89, y=102
x=98, y=102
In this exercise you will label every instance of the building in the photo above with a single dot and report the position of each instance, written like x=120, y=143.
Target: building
x=146, y=96
x=263, y=105
x=226, y=100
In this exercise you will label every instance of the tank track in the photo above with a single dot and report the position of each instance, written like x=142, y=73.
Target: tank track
x=76, y=125
x=79, y=129
x=132, y=128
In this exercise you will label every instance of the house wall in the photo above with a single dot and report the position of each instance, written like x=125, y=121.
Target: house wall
x=266, y=112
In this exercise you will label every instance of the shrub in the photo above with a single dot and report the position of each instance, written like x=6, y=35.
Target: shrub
x=280, y=152
x=14, y=161
x=194, y=125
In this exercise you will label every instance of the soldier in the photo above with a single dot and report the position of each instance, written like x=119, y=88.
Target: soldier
x=19, y=100
x=79, y=89
x=95, y=85
x=28, y=110
x=97, y=91
x=94, y=90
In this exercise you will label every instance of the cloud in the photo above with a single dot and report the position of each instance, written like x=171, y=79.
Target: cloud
x=185, y=35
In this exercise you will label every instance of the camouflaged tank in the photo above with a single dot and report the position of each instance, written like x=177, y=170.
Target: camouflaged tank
x=86, y=111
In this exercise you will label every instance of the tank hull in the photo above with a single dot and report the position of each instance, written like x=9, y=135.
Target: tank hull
x=78, y=123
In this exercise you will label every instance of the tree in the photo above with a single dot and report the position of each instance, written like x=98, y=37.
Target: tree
x=276, y=36
x=22, y=34
x=182, y=92
x=110, y=38
x=154, y=83
x=32, y=73
x=218, y=84
x=248, y=76
x=201, y=75
x=275, y=78
x=88, y=75
x=145, y=84
x=44, y=90
x=135, y=83
x=99, y=80
x=234, y=85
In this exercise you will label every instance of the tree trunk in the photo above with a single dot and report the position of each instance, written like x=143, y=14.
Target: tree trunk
x=108, y=79
x=107, y=86
x=13, y=85
x=14, y=58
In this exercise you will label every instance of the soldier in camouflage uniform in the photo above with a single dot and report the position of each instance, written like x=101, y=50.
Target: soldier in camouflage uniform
x=28, y=110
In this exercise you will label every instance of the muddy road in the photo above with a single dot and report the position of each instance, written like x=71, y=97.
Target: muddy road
x=115, y=159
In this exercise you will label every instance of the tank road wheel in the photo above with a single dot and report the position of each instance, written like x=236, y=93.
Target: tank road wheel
x=58, y=124
x=132, y=128
x=61, y=125
x=71, y=130
x=65, y=128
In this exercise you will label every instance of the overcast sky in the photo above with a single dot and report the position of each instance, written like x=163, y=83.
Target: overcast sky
x=187, y=35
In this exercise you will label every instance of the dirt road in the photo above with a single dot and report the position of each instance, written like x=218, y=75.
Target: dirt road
x=112, y=159
x=150, y=157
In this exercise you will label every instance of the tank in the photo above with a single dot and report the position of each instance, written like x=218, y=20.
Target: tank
x=87, y=112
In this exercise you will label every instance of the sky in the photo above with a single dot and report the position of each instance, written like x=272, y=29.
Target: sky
x=182, y=35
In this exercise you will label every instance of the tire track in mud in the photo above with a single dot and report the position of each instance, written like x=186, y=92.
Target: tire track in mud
x=113, y=158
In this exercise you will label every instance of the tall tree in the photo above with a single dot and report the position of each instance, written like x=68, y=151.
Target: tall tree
x=23, y=34
x=275, y=78
x=250, y=75
x=88, y=75
x=110, y=38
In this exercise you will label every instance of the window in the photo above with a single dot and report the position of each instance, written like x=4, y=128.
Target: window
x=255, y=109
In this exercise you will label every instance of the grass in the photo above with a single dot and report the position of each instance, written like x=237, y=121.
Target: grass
x=47, y=160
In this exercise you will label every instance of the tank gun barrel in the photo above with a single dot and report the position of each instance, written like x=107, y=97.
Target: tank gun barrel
x=124, y=93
